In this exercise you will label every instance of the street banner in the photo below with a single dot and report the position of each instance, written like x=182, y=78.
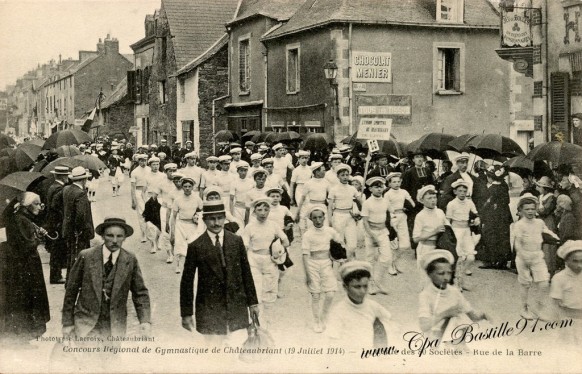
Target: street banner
x=375, y=128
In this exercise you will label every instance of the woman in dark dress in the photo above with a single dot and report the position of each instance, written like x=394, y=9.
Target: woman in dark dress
x=25, y=307
x=496, y=220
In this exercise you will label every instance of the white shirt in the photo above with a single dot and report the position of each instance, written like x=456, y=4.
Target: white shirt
x=318, y=239
x=458, y=210
x=239, y=189
x=155, y=181
x=193, y=172
x=316, y=189
x=259, y=235
x=280, y=166
x=375, y=208
x=301, y=174
x=427, y=220
x=209, y=178
x=352, y=325
x=107, y=252
x=342, y=196
x=186, y=206
x=139, y=176
x=397, y=197
x=331, y=177
x=213, y=237
x=224, y=181
x=277, y=214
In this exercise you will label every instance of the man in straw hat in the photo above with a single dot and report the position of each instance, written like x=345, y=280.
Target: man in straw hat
x=95, y=302
x=78, y=219
x=54, y=224
x=226, y=291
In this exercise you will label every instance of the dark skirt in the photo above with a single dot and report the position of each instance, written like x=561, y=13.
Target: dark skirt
x=495, y=241
x=24, y=306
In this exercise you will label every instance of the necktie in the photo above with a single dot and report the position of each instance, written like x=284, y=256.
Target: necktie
x=420, y=171
x=108, y=265
x=219, y=249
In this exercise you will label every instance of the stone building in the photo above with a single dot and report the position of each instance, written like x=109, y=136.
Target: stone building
x=117, y=113
x=183, y=31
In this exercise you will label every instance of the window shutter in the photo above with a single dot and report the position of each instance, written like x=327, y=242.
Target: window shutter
x=440, y=70
x=457, y=69
x=138, y=86
x=145, y=91
x=560, y=95
x=131, y=84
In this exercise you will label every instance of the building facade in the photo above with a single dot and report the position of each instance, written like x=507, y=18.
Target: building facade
x=415, y=66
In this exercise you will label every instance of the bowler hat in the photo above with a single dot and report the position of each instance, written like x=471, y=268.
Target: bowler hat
x=114, y=221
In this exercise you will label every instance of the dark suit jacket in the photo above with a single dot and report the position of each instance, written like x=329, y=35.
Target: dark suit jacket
x=86, y=282
x=377, y=172
x=77, y=214
x=479, y=195
x=54, y=208
x=411, y=182
x=222, y=297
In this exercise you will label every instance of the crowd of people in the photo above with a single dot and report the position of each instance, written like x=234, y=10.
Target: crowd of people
x=233, y=216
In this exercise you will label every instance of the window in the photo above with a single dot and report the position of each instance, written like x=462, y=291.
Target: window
x=182, y=85
x=162, y=90
x=138, y=85
x=187, y=131
x=244, y=53
x=293, y=68
x=450, y=11
x=449, y=68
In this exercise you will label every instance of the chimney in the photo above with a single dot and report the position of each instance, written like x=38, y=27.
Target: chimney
x=100, y=46
x=111, y=45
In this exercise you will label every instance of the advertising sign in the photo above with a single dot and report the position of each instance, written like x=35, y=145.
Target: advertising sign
x=516, y=27
x=375, y=128
x=397, y=108
x=372, y=67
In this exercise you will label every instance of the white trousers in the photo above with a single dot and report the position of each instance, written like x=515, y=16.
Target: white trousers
x=265, y=275
x=343, y=223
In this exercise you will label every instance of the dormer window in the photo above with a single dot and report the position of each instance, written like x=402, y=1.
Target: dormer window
x=450, y=11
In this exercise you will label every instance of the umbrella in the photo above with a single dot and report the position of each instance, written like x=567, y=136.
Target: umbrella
x=390, y=147
x=25, y=155
x=39, y=142
x=288, y=136
x=261, y=136
x=557, y=153
x=66, y=137
x=317, y=142
x=90, y=162
x=459, y=144
x=224, y=136
x=491, y=146
x=271, y=137
x=249, y=135
x=6, y=141
x=14, y=184
x=7, y=152
x=68, y=151
x=7, y=166
x=520, y=165
x=433, y=145
x=62, y=161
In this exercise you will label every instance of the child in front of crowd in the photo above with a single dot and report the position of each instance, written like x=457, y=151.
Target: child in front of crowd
x=442, y=308
x=397, y=197
x=374, y=211
x=92, y=184
x=352, y=319
x=566, y=291
x=529, y=259
x=319, y=275
x=459, y=212
x=152, y=217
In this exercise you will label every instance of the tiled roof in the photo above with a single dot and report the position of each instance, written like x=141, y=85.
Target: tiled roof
x=313, y=13
x=118, y=93
x=196, y=25
x=280, y=10
x=205, y=56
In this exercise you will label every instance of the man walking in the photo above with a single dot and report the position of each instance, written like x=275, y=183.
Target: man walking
x=78, y=219
x=54, y=225
x=226, y=291
x=96, y=296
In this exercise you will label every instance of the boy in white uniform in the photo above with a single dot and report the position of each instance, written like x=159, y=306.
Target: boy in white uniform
x=192, y=170
x=209, y=176
x=319, y=275
x=225, y=180
x=341, y=200
x=374, y=211
x=458, y=213
x=315, y=193
x=259, y=190
x=238, y=191
x=351, y=320
x=529, y=257
x=429, y=222
x=258, y=237
x=301, y=175
x=335, y=159
x=280, y=162
x=255, y=163
x=235, y=153
x=138, y=186
x=396, y=197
